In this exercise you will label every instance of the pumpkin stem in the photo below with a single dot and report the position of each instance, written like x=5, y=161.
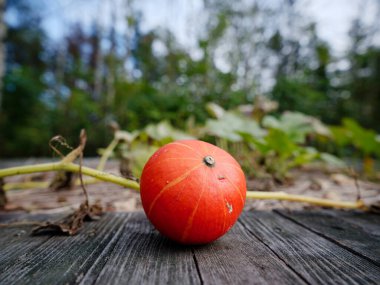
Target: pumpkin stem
x=209, y=161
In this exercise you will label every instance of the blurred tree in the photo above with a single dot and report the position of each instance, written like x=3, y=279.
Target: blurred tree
x=302, y=80
x=97, y=74
x=236, y=33
x=167, y=83
x=23, y=124
x=79, y=87
x=362, y=78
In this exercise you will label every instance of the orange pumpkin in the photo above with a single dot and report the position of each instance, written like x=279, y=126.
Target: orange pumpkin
x=192, y=191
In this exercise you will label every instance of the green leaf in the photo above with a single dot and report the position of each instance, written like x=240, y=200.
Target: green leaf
x=164, y=132
x=128, y=137
x=230, y=125
x=256, y=143
x=138, y=155
x=215, y=110
x=332, y=160
x=280, y=142
x=340, y=135
x=304, y=156
x=296, y=125
x=364, y=139
x=271, y=122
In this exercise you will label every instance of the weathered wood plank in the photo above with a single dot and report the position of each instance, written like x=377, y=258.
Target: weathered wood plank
x=15, y=237
x=143, y=256
x=14, y=242
x=349, y=235
x=316, y=259
x=6, y=217
x=240, y=258
x=60, y=259
x=368, y=222
x=263, y=248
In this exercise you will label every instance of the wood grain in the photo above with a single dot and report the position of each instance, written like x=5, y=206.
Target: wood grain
x=368, y=222
x=240, y=258
x=350, y=235
x=15, y=238
x=316, y=259
x=59, y=259
x=143, y=256
x=262, y=248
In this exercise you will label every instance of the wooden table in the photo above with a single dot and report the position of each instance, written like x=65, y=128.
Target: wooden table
x=318, y=247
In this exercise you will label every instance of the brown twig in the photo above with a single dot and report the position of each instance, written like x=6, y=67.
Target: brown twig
x=357, y=186
x=83, y=139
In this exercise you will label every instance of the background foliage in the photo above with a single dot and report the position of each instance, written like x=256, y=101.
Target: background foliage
x=91, y=77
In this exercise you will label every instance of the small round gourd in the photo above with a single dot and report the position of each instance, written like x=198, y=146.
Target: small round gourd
x=192, y=191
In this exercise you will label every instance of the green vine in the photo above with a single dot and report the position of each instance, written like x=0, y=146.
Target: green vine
x=103, y=176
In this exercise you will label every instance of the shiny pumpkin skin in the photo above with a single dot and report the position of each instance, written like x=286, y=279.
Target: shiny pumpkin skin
x=190, y=197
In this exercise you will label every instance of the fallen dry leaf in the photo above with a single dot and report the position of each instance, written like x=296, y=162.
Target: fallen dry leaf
x=73, y=222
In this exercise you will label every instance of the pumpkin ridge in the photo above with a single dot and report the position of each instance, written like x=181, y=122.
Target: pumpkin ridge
x=235, y=187
x=224, y=209
x=190, y=220
x=171, y=184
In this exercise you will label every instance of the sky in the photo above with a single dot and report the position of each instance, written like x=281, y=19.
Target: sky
x=185, y=18
x=333, y=18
